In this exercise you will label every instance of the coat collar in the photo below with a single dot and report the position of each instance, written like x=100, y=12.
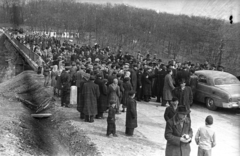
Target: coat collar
x=178, y=126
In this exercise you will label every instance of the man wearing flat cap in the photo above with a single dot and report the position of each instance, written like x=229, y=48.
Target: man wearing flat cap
x=90, y=95
x=178, y=133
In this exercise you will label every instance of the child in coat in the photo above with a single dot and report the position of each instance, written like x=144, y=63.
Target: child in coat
x=111, y=126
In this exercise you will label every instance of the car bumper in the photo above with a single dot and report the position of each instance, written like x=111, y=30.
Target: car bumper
x=231, y=105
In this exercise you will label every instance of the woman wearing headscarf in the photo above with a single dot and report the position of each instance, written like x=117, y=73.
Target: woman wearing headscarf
x=114, y=93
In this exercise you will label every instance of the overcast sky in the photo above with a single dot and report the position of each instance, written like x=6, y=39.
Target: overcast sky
x=220, y=9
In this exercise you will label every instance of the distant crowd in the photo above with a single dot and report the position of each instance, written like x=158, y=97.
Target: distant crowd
x=112, y=81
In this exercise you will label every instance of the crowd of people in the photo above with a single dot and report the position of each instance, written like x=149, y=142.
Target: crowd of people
x=113, y=81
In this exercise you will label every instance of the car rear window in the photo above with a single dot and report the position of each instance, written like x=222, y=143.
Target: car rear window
x=226, y=81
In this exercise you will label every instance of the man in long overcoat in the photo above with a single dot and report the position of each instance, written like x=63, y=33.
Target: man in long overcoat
x=90, y=94
x=99, y=82
x=65, y=80
x=131, y=115
x=147, y=85
x=178, y=133
x=139, y=84
x=168, y=88
x=133, y=77
x=80, y=103
x=160, y=82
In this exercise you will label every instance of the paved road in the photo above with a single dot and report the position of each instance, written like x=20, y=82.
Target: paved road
x=226, y=126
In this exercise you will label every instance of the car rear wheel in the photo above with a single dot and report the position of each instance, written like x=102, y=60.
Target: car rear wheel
x=210, y=104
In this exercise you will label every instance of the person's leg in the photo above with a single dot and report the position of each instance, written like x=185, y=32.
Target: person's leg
x=67, y=98
x=208, y=152
x=82, y=115
x=63, y=102
x=114, y=130
x=108, y=129
x=91, y=118
x=124, y=108
x=164, y=102
x=130, y=131
x=87, y=118
x=200, y=152
x=126, y=131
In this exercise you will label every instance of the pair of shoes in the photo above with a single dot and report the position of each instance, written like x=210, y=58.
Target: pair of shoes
x=108, y=135
x=115, y=135
x=91, y=121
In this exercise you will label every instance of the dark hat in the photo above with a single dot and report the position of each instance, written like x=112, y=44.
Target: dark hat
x=67, y=65
x=209, y=120
x=174, y=99
x=99, y=75
x=92, y=77
x=126, y=79
x=105, y=80
x=183, y=110
x=119, y=75
x=135, y=65
x=112, y=102
x=130, y=93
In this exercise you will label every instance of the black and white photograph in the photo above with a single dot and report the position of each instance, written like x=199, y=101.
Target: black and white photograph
x=119, y=77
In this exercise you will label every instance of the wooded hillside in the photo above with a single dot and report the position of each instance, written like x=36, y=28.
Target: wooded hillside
x=195, y=39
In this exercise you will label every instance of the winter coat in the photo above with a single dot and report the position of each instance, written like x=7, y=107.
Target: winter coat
x=133, y=77
x=193, y=83
x=131, y=115
x=168, y=87
x=185, y=96
x=169, y=113
x=120, y=84
x=173, y=133
x=160, y=81
x=103, y=100
x=79, y=96
x=113, y=94
x=147, y=84
x=79, y=77
x=90, y=94
x=127, y=87
x=65, y=79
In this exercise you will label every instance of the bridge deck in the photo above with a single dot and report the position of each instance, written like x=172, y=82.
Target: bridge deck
x=28, y=55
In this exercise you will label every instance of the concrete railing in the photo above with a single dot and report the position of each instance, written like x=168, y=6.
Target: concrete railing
x=29, y=56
